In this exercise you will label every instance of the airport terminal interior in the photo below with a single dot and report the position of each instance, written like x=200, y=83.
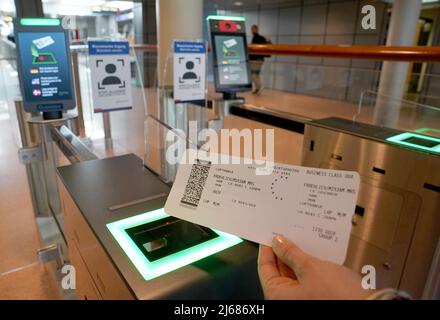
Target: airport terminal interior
x=99, y=98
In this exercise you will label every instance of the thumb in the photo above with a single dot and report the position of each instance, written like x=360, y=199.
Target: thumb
x=291, y=255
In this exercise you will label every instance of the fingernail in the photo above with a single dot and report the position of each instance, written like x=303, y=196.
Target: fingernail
x=278, y=240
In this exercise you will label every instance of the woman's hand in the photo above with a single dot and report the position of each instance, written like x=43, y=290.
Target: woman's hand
x=286, y=272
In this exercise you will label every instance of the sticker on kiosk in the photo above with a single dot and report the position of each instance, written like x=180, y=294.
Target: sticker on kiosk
x=111, y=75
x=189, y=71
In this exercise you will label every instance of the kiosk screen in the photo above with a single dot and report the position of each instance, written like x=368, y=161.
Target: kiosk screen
x=231, y=60
x=45, y=69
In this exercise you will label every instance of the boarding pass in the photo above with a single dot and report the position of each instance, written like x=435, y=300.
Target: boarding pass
x=312, y=207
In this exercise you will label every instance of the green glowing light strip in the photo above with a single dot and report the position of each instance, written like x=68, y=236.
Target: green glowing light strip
x=428, y=130
x=40, y=22
x=152, y=269
x=406, y=135
x=226, y=18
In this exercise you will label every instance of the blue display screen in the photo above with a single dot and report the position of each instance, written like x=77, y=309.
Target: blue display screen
x=45, y=70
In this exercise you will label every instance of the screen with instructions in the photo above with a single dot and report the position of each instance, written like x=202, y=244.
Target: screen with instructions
x=231, y=59
x=45, y=70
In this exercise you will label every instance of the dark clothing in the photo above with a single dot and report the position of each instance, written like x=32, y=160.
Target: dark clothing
x=11, y=38
x=257, y=39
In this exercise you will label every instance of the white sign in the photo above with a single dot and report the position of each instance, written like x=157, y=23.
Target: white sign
x=111, y=75
x=189, y=71
x=312, y=207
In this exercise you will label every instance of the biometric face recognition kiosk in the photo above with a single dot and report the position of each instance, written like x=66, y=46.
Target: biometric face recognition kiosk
x=44, y=66
x=230, y=55
x=46, y=83
x=230, y=60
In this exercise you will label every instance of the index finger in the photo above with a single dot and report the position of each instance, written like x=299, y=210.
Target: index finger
x=267, y=265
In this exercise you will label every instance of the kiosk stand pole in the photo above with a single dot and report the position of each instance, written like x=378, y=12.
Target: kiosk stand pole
x=230, y=96
x=31, y=157
x=107, y=130
x=52, y=115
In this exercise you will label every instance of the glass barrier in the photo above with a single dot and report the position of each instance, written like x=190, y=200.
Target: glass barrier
x=164, y=146
x=172, y=125
x=409, y=115
x=337, y=79
x=346, y=90
x=126, y=125
x=298, y=86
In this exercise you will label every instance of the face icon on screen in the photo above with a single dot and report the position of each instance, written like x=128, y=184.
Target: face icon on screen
x=110, y=78
x=189, y=73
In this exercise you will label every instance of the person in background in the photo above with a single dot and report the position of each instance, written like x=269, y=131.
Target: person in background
x=256, y=61
x=286, y=272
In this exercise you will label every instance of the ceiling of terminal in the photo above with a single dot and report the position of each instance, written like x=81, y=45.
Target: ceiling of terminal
x=237, y=4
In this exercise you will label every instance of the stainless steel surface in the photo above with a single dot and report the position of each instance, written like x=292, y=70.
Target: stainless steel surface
x=48, y=222
x=37, y=119
x=220, y=108
x=28, y=133
x=432, y=288
x=398, y=229
x=107, y=130
x=28, y=155
x=49, y=168
x=275, y=113
x=34, y=171
x=137, y=201
x=96, y=185
x=38, y=154
x=49, y=253
x=71, y=146
x=47, y=191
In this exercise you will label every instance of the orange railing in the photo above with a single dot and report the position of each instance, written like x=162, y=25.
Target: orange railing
x=146, y=47
x=382, y=53
x=418, y=54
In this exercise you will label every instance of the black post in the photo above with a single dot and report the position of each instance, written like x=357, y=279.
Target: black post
x=52, y=115
x=229, y=95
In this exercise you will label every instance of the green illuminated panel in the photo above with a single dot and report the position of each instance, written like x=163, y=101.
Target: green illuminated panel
x=422, y=130
x=418, y=141
x=152, y=269
x=227, y=18
x=39, y=22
